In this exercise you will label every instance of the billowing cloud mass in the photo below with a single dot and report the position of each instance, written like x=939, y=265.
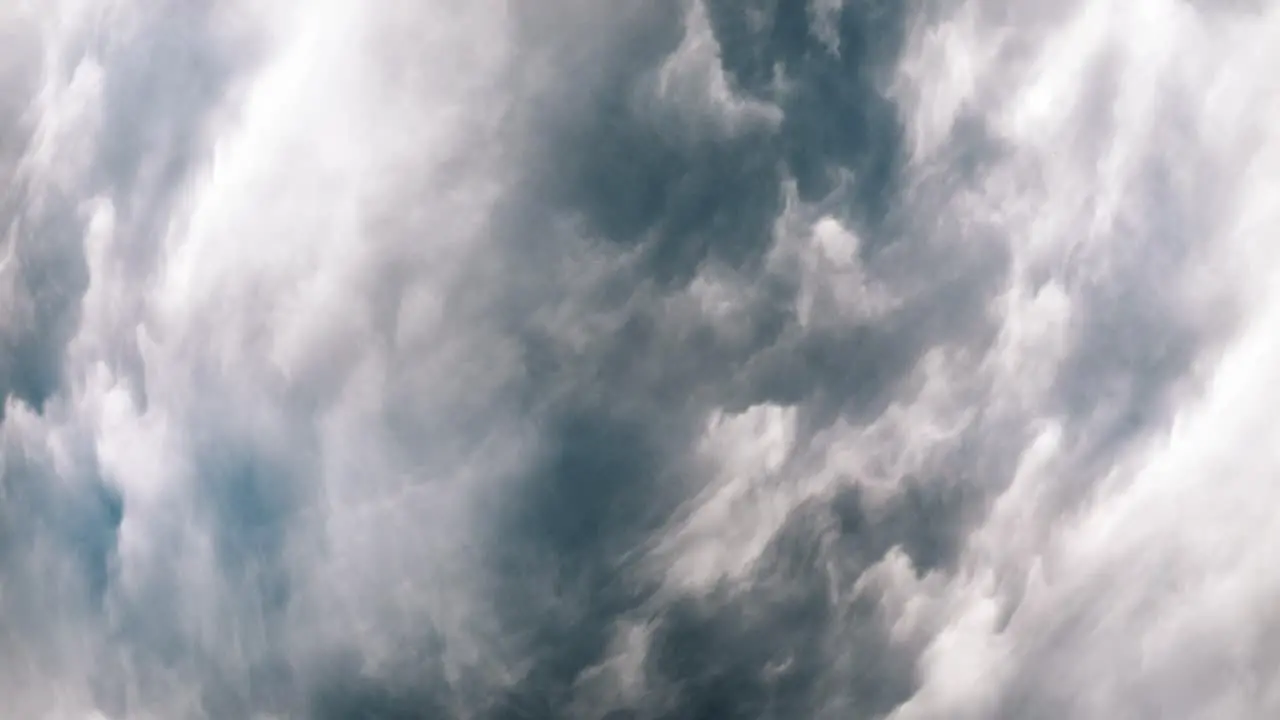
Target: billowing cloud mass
x=639, y=360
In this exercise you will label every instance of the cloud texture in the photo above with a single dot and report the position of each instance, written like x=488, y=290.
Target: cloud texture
x=688, y=359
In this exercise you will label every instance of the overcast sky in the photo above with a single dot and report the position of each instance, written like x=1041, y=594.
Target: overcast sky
x=639, y=359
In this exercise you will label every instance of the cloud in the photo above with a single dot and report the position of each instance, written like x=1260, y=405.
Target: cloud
x=671, y=359
x=1148, y=320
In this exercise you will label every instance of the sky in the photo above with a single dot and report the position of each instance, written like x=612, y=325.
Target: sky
x=639, y=360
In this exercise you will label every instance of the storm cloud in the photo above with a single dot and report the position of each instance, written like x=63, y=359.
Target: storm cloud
x=675, y=360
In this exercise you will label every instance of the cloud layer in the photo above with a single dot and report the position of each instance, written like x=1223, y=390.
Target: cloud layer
x=681, y=359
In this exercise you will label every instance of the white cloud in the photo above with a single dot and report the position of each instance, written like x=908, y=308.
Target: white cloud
x=1150, y=596
x=258, y=332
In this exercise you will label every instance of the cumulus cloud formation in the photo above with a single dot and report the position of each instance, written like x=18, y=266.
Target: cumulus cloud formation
x=683, y=359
